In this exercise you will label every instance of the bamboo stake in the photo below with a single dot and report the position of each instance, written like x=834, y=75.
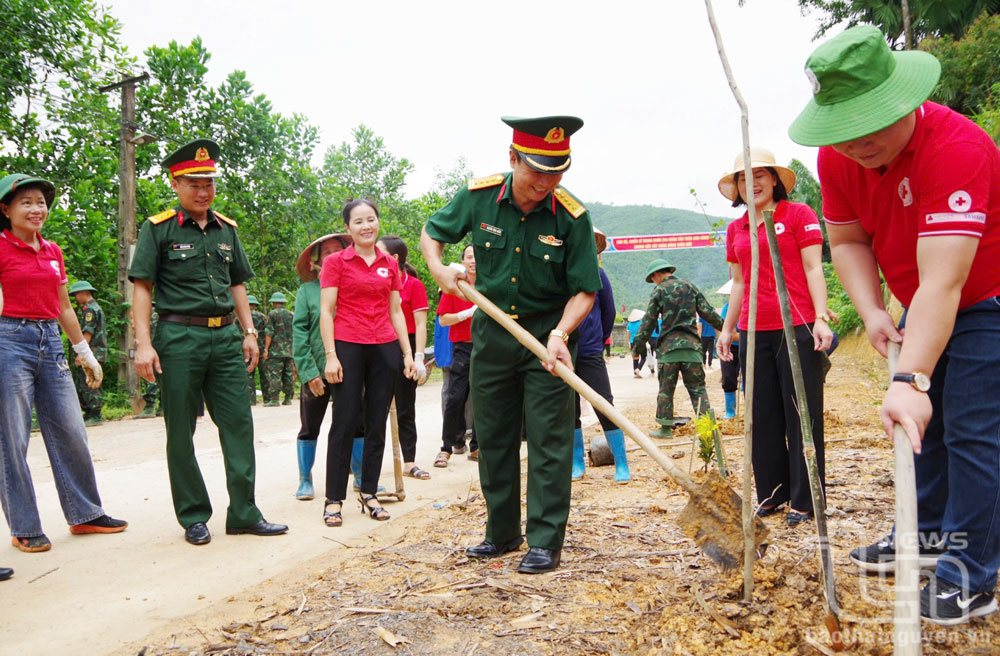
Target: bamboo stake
x=906, y=609
x=805, y=423
x=749, y=547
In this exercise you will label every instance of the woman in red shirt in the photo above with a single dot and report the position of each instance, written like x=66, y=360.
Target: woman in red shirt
x=413, y=301
x=778, y=464
x=360, y=285
x=33, y=305
x=457, y=313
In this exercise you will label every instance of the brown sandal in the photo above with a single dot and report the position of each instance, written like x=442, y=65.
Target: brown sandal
x=442, y=459
x=417, y=472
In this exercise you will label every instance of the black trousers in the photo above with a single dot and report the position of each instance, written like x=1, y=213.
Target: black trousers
x=312, y=410
x=453, y=421
x=406, y=410
x=370, y=372
x=592, y=370
x=779, y=467
x=708, y=346
x=731, y=369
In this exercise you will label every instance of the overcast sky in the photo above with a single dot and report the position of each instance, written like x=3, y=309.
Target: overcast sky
x=433, y=78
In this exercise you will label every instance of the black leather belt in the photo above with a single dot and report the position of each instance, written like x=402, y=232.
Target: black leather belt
x=207, y=322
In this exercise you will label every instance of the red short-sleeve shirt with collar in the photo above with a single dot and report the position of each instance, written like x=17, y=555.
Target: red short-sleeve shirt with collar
x=797, y=227
x=945, y=182
x=363, y=293
x=30, y=279
x=412, y=298
x=451, y=304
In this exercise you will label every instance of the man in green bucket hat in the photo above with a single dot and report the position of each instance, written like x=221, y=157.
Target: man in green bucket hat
x=91, y=318
x=912, y=188
x=279, y=367
x=678, y=304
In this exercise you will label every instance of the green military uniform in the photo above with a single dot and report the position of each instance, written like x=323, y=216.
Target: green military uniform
x=529, y=266
x=259, y=324
x=152, y=394
x=200, y=346
x=91, y=318
x=679, y=349
x=279, y=365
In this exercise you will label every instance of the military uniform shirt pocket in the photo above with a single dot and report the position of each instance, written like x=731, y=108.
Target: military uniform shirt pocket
x=489, y=251
x=546, y=264
x=184, y=262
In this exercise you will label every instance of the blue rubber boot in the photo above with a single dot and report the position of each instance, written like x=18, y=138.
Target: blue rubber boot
x=357, y=453
x=616, y=442
x=730, y=405
x=307, y=456
x=578, y=465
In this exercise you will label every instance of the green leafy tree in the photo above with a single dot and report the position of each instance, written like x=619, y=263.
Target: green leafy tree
x=928, y=17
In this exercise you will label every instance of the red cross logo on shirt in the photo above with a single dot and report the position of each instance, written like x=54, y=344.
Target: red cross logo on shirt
x=960, y=201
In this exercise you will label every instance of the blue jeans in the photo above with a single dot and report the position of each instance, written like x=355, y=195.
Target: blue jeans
x=35, y=372
x=958, y=470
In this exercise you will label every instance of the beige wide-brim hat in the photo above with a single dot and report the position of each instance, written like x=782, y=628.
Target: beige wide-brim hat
x=601, y=239
x=636, y=315
x=303, y=266
x=759, y=158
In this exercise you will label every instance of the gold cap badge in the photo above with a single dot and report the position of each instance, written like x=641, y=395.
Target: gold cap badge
x=201, y=155
x=555, y=136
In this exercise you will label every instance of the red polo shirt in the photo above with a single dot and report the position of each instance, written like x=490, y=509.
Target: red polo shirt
x=412, y=298
x=945, y=182
x=30, y=279
x=451, y=304
x=362, y=295
x=797, y=227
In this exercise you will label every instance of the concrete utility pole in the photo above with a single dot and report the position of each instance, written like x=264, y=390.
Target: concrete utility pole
x=126, y=226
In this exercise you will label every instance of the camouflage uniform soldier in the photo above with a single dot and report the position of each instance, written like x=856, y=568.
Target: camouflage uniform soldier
x=278, y=361
x=91, y=318
x=152, y=394
x=259, y=324
x=679, y=349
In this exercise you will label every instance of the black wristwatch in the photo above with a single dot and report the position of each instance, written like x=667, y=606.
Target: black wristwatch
x=919, y=381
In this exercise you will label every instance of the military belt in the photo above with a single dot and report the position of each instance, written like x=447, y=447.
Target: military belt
x=207, y=322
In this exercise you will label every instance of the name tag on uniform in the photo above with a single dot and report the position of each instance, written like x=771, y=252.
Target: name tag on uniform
x=550, y=240
x=225, y=247
x=183, y=247
x=489, y=228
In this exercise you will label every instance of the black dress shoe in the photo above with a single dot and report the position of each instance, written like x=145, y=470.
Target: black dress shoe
x=539, y=560
x=260, y=528
x=197, y=533
x=6, y=573
x=490, y=550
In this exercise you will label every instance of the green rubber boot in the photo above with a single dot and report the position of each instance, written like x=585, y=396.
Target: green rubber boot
x=307, y=456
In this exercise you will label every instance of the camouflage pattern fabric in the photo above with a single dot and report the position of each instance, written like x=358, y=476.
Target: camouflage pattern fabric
x=679, y=303
x=694, y=381
x=278, y=373
x=152, y=393
x=260, y=324
x=279, y=329
x=91, y=318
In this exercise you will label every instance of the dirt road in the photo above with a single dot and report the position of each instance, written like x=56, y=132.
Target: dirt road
x=94, y=594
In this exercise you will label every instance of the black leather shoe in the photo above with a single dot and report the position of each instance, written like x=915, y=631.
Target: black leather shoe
x=197, y=533
x=260, y=528
x=6, y=573
x=539, y=560
x=490, y=550
x=795, y=518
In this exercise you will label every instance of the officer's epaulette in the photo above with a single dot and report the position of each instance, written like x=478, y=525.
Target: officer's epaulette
x=225, y=218
x=571, y=204
x=486, y=182
x=162, y=216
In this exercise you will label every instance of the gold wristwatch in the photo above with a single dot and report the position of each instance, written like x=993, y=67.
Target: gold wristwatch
x=561, y=335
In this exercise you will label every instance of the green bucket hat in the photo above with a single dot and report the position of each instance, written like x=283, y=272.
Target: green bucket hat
x=10, y=183
x=860, y=86
x=252, y=300
x=658, y=265
x=277, y=297
x=81, y=286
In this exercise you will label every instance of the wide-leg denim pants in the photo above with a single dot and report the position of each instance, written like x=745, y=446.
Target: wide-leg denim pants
x=34, y=372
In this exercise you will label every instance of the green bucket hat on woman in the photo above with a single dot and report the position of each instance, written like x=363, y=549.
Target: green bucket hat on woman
x=860, y=86
x=658, y=265
x=9, y=184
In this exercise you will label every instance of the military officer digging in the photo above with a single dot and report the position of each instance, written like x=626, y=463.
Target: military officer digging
x=193, y=258
x=536, y=259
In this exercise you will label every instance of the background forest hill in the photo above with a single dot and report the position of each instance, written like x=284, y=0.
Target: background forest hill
x=56, y=122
